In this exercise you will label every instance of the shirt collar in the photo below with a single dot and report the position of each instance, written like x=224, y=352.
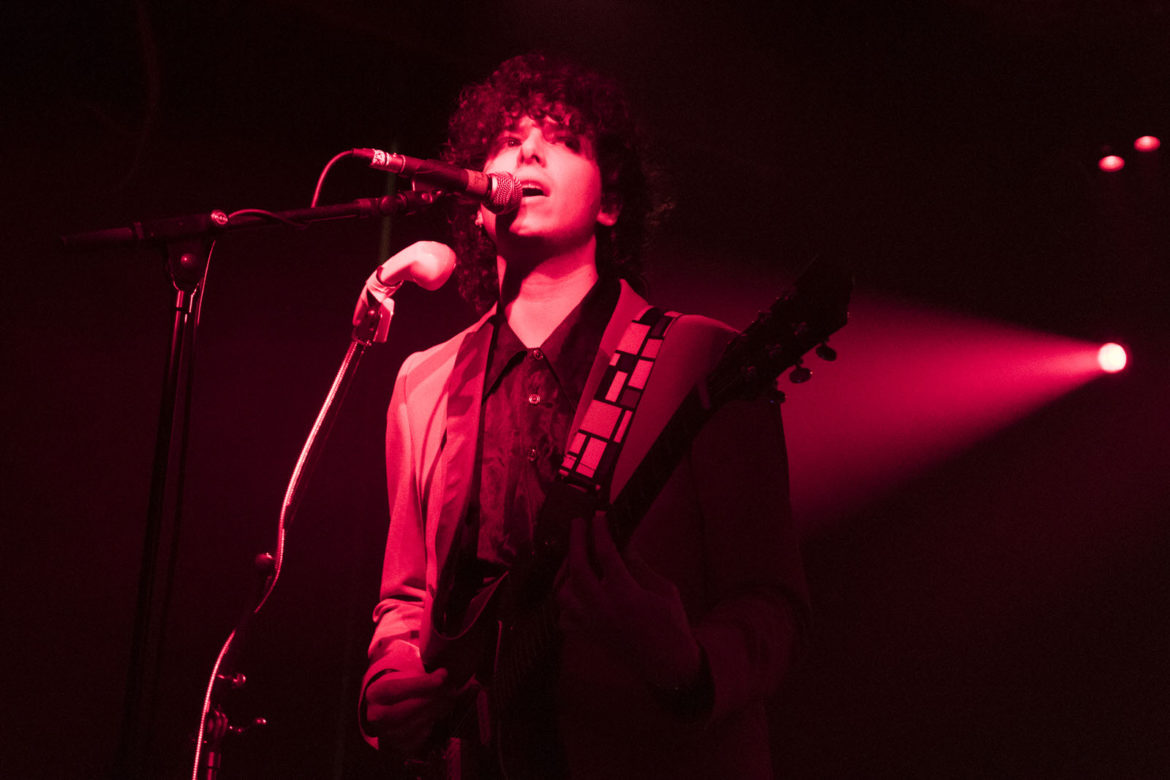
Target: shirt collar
x=569, y=349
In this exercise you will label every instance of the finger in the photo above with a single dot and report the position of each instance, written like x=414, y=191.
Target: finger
x=580, y=603
x=606, y=553
x=576, y=557
x=396, y=686
x=408, y=744
x=406, y=738
x=582, y=598
x=647, y=577
x=582, y=574
x=568, y=611
x=395, y=717
x=575, y=578
x=407, y=725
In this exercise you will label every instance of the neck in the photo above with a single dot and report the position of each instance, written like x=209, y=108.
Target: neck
x=537, y=299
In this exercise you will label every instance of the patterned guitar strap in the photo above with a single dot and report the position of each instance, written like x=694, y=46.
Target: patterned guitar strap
x=594, y=447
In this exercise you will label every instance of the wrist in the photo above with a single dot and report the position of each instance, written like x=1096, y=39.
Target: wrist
x=685, y=669
x=691, y=698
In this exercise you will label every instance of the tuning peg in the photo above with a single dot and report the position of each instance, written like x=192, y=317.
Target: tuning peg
x=256, y=723
x=800, y=374
x=825, y=352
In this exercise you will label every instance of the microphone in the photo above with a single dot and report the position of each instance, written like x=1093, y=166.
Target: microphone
x=498, y=191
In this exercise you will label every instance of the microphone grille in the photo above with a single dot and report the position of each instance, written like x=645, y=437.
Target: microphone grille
x=506, y=194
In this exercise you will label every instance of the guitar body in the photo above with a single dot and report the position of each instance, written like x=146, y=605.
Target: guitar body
x=468, y=651
x=504, y=657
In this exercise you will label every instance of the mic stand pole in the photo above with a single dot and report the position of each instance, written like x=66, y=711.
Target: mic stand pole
x=187, y=262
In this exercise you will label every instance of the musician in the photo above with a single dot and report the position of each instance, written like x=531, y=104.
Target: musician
x=670, y=646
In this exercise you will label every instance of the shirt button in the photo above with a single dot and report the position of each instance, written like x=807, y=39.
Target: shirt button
x=534, y=399
x=536, y=354
x=531, y=454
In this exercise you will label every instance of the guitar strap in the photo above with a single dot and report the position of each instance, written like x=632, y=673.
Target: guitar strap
x=593, y=449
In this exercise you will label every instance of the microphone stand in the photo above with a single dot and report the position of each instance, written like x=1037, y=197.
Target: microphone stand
x=187, y=263
x=187, y=242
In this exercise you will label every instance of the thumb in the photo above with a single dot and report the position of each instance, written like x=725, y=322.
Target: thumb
x=647, y=577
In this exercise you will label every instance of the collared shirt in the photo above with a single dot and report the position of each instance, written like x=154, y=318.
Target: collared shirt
x=530, y=398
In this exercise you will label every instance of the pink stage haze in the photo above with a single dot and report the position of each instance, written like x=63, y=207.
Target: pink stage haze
x=912, y=387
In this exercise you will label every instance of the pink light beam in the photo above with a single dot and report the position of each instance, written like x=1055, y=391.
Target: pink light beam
x=911, y=388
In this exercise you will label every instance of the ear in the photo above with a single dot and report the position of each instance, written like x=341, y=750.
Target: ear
x=611, y=209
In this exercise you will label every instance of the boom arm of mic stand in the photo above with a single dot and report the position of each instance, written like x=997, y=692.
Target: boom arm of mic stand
x=216, y=223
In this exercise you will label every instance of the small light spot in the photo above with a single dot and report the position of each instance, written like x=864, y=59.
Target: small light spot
x=1112, y=358
x=1111, y=163
x=1147, y=143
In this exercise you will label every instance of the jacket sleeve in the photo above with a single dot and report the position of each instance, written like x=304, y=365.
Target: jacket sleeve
x=758, y=614
x=398, y=614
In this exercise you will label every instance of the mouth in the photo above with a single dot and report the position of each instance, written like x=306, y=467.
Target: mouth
x=530, y=189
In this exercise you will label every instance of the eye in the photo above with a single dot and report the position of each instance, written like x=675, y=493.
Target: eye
x=568, y=140
x=505, y=142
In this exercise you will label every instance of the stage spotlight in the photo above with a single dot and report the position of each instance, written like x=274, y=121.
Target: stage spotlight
x=1110, y=163
x=883, y=414
x=1112, y=358
x=1147, y=143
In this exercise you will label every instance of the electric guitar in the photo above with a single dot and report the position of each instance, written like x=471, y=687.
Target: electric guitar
x=504, y=649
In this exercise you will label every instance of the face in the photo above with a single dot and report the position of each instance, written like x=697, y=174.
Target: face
x=561, y=181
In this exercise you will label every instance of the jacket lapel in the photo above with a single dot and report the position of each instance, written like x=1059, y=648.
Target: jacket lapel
x=464, y=394
x=629, y=306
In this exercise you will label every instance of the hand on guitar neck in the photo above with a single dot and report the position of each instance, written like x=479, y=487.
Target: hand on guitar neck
x=624, y=602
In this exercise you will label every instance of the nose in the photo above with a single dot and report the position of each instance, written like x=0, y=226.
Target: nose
x=532, y=148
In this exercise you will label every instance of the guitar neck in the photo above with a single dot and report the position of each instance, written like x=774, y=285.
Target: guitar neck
x=655, y=469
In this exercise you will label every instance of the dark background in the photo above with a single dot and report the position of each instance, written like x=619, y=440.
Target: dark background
x=1003, y=614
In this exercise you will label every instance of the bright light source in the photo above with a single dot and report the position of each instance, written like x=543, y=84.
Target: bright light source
x=1111, y=163
x=1111, y=358
x=1147, y=143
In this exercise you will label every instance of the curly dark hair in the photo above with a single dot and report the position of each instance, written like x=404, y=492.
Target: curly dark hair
x=589, y=104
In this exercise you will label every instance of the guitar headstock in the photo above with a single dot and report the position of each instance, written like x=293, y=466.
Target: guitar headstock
x=816, y=308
